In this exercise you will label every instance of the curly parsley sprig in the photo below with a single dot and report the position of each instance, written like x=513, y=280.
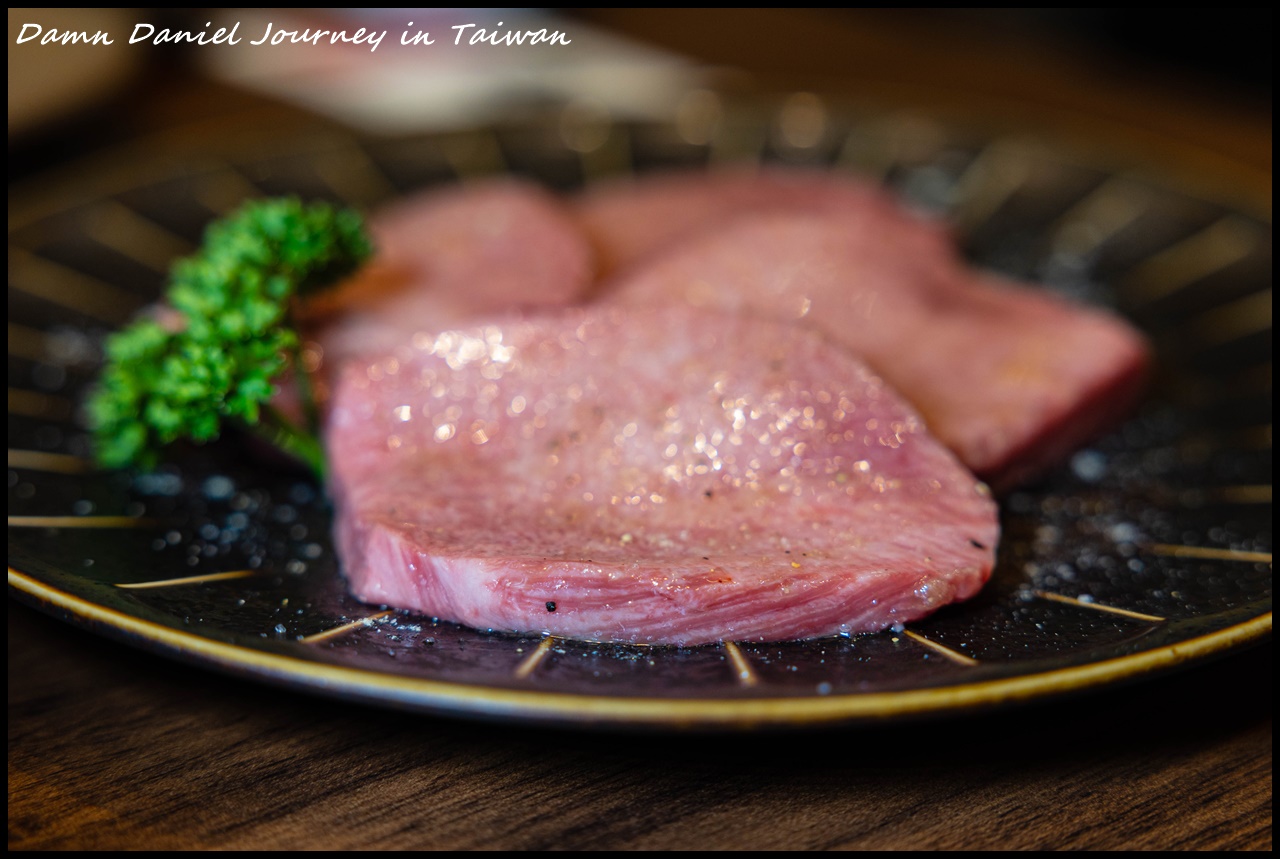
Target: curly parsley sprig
x=230, y=337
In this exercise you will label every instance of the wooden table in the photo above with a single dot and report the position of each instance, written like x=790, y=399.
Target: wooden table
x=113, y=748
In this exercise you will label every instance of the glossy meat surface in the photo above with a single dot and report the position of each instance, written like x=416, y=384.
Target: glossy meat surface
x=664, y=476
x=446, y=255
x=1009, y=377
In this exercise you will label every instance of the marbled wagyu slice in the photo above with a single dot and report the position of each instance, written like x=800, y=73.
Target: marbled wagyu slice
x=662, y=476
x=1009, y=377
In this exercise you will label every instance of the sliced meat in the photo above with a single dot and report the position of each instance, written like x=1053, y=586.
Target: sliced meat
x=664, y=476
x=1010, y=378
x=447, y=255
x=631, y=219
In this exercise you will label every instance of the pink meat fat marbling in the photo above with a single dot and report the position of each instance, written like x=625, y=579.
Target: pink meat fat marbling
x=1010, y=377
x=664, y=476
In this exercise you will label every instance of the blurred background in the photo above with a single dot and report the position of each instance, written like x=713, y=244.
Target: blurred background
x=1179, y=763
x=1200, y=77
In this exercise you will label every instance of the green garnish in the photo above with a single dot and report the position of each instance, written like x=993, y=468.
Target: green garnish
x=231, y=337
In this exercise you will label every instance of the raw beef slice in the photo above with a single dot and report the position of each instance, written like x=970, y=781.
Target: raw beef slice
x=447, y=255
x=1009, y=377
x=665, y=476
x=630, y=220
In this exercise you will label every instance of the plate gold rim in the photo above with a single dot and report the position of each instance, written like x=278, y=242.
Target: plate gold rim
x=449, y=697
x=464, y=699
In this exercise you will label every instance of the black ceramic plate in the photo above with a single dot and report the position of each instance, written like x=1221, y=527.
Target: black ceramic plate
x=1149, y=548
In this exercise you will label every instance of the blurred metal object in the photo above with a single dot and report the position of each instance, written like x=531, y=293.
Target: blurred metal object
x=698, y=117
x=802, y=121
x=585, y=125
